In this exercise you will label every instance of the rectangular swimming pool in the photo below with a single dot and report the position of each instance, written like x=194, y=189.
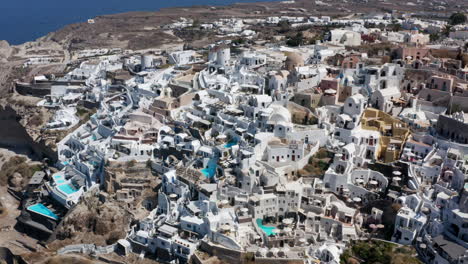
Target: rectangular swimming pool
x=59, y=179
x=67, y=189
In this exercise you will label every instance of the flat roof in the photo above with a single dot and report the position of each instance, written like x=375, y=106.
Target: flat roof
x=168, y=229
x=37, y=178
x=452, y=249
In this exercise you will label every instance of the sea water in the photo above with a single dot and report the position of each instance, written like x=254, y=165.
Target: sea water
x=27, y=20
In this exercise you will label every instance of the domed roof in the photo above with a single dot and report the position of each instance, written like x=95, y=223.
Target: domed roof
x=294, y=58
x=165, y=129
x=279, y=114
x=357, y=98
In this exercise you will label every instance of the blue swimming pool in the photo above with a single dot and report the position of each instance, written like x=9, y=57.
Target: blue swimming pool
x=59, y=179
x=67, y=188
x=267, y=229
x=231, y=143
x=42, y=210
x=210, y=170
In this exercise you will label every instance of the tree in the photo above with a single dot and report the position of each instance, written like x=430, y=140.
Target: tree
x=315, y=38
x=196, y=23
x=239, y=41
x=434, y=37
x=457, y=18
x=296, y=40
x=284, y=26
x=446, y=30
x=395, y=26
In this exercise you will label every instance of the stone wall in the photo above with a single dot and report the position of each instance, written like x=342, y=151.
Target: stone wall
x=241, y=257
x=86, y=249
x=278, y=261
x=33, y=89
x=226, y=255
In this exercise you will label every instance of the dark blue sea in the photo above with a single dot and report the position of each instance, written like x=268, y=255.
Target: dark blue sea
x=27, y=20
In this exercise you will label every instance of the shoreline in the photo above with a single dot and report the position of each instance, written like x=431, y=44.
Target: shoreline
x=244, y=8
x=149, y=10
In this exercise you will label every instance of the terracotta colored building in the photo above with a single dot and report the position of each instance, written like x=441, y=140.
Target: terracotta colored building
x=350, y=62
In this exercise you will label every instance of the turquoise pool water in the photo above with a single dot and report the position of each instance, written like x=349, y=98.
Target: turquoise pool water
x=231, y=143
x=59, y=179
x=67, y=188
x=267, y=229
x=41, y=209
x=210, y=171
